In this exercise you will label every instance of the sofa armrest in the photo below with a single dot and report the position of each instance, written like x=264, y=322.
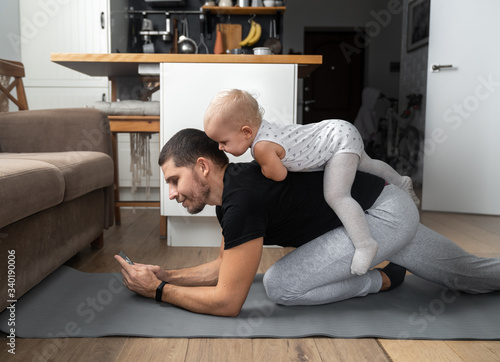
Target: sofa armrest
x=55, y=130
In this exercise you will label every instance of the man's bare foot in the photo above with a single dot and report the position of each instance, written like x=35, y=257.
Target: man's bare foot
x=393, y=276
x=386, y=282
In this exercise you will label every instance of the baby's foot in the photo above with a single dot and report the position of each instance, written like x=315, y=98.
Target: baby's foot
x=363, y=257
x=407, y=186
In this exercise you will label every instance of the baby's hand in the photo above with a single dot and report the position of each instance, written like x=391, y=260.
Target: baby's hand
x=269, y=155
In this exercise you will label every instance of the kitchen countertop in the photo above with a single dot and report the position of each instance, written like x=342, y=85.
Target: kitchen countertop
x=125, y=64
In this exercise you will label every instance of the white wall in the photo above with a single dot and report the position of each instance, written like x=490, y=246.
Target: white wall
x=9, y=30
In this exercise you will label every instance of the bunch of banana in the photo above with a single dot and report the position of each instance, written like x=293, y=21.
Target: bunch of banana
x=253, y=35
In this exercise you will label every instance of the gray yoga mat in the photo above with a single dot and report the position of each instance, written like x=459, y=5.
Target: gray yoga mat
x=69, y=303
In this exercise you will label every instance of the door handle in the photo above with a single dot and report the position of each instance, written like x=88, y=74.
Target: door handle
x=102, y=20
x=437, y=67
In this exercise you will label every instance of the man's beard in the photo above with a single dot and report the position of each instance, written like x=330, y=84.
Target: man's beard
x=199, y=196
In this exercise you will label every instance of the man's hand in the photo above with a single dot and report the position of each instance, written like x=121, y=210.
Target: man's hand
x=139, y=278
x=160, y=273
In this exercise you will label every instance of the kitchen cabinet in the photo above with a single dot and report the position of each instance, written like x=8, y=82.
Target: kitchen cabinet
x=186, y=91
x=77, y=26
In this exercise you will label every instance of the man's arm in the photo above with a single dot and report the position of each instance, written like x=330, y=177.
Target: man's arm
x=201, y=275
x=237, y=269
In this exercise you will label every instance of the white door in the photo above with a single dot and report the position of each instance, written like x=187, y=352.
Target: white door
x=462, y=145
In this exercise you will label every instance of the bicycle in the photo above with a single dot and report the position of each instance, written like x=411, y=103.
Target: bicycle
x=397, y=142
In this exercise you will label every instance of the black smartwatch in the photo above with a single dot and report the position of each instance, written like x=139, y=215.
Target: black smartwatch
x=159, y=291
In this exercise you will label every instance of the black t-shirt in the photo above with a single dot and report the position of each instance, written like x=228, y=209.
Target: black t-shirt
x=287, y=213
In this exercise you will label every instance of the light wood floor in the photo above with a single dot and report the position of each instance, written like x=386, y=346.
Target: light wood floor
x=139, y=236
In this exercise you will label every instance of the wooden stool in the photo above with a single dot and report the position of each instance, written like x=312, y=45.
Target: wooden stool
x=132, y=124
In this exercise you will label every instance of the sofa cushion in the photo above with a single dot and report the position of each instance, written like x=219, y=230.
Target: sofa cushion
x=83, y=171
x=28, y=187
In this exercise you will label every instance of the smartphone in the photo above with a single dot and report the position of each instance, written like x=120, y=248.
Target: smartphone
x=126, y=258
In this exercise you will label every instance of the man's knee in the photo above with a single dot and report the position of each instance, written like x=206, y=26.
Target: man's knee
x=274, y=287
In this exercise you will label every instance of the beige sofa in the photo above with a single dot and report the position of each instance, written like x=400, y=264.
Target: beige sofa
x=56, y=191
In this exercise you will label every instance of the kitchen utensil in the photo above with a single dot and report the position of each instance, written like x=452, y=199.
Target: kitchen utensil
x=243, y=3
x=175, y=45
x=237, y=51
x=262, y=51
x=218, y=47
x=231, y=36
x=201, y=45
x=186, y=44
x=148, y=48
x=167, y=35
x=147, y=24
x=273, y=42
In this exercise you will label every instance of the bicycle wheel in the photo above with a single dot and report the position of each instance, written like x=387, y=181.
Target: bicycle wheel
x=408, y=149
x=377, y=147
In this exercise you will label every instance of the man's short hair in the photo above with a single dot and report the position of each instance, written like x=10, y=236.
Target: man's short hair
x=186, y=146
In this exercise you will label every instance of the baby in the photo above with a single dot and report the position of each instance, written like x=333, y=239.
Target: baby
x=234, y=120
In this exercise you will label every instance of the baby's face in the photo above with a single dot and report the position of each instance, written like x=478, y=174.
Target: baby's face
x=231, y=139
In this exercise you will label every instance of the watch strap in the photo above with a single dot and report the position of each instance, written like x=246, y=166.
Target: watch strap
x=159, y=291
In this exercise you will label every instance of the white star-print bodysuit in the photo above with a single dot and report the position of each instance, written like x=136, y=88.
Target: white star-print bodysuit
x=308, y=147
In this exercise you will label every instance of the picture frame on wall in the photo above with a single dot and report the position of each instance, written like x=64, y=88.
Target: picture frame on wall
x=418, y=24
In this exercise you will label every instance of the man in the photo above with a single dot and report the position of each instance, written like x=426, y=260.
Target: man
x=254, y=211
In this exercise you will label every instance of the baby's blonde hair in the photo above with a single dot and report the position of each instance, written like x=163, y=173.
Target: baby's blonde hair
x=236, y=105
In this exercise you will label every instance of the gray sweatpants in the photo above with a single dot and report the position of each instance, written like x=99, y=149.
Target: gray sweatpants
x=319, y=271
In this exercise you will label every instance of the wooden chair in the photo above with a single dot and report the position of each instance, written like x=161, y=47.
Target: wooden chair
x=10, y=69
